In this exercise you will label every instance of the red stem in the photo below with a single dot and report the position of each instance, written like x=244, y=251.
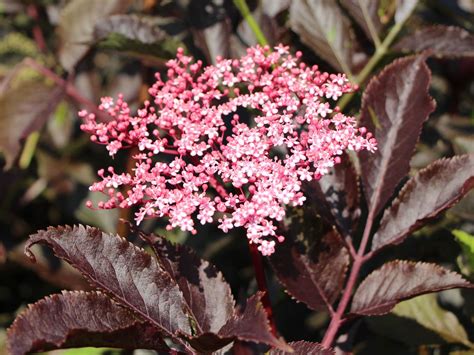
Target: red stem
x=257, y=261
x=32, y=11
x=359, y=259
x=70, y=90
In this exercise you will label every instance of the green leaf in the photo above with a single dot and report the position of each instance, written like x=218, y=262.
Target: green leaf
x=426, y=311
x=466, y=241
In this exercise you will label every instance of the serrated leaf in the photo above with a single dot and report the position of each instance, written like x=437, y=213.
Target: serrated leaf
x=77, y=319
x=251, y=325
x=336, y=196
x=400, y=280
x=431, y=191
x=76, y=26
x=128, y=274
x=399, y=98
x=206, y=292
x=24, y=109
x=304, y=347
x=441, y=41
x=426, y=311
x=314, y=277
x=323, y=27
x=466, y=241
x=356, y=9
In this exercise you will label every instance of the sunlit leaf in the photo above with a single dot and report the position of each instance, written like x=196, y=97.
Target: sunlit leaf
x=399, y=280
x=431, y=191
x=76, y=26
x=304, y=347
x=426, y=311
x=466, y=241
x=399, y=98
x=361, y=11
x=404, y=10
x=323, y=27
x=128, y=274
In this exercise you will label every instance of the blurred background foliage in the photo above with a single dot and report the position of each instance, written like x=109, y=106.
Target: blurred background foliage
x=59, y=56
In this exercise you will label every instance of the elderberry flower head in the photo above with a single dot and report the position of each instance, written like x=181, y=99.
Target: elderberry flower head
x=231, y=142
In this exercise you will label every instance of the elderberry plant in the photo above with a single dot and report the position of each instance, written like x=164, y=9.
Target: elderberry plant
x=245, y=173
x=259, y=143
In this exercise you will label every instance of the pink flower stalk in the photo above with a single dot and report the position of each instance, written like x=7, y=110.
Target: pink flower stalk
x=242, y=174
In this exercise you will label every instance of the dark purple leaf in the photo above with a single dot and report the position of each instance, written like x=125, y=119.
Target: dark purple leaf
x=431, y=191
x=323, y=27
x=314, y=277
x=400, y=280
x=143, y=29
x=207, y=294
x=394, y=107
x=251, y=325
x=361, y=11
x=127, y=273
x=78, y=319
x=214, y=40
x=336, y=196
x=76, y=26
x=24, y=109
x=441, y=41
x=304, y=348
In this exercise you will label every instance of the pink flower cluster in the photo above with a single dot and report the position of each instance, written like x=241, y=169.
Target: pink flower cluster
x=202, y=158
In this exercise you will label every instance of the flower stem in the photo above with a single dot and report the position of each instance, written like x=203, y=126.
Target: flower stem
x=257, y=261
x=359, y=260
x=247, y=15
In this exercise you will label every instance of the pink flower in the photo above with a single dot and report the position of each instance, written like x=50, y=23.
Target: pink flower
x=226, y=169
